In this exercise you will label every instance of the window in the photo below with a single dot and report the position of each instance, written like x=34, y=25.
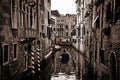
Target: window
x=72, y=26
x=108, y=13
x=66, y=26
x=83, y=30
x=5, y=54
x=20, y=4
x=74, y=40
x=25, y=61
x=24, y=18
x=27, y=17
x=14, y=51
x=40, y=33
x=73, y=33
x=48, y=18
x=102, y=56
x=58, y=20
x=13, y=3
x=42, y=4
x=34, y=21
x=53, y=29
x=21, y=13
x=117, y=10
x=62, y=20
x=78, y=40
x=14, y=13
x=31, y=17
x=48, y=32
x=43, y=35
x=96, y=50
x=42, y=28
x=98, y=20
x=66, y=33
x=79, y=30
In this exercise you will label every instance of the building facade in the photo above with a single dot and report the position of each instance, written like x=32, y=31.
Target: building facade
x=54, y=15
x=45, y=24
x=101, y=40
x=65, y=27
x=22, y=37
x=81, y=30
x=108, y=24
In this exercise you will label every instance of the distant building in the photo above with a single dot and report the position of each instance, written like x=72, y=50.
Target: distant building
x=65, y=25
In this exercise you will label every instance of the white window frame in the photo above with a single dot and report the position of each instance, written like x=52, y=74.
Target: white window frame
x=16, y=52
x=5, y=63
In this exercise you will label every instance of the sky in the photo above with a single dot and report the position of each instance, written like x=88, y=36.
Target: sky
x=64, y=6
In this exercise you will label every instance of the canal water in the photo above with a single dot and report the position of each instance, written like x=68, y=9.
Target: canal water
x=63, y=76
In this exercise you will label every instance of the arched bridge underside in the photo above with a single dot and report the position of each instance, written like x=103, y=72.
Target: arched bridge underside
x=68, y=64
x=54, y=62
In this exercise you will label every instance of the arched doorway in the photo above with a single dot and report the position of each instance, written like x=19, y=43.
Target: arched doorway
x=112, y=67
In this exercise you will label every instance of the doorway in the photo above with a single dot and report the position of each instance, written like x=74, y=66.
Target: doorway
x=112, y=67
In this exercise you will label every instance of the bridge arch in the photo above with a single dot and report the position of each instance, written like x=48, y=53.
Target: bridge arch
x=72, y=64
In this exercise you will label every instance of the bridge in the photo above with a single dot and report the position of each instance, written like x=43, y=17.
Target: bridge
x=63, y=58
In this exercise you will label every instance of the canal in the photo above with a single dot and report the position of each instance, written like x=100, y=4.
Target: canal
x=61, y=64
x=63, y=76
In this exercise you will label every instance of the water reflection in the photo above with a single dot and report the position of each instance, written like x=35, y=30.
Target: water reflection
x=63, y=76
